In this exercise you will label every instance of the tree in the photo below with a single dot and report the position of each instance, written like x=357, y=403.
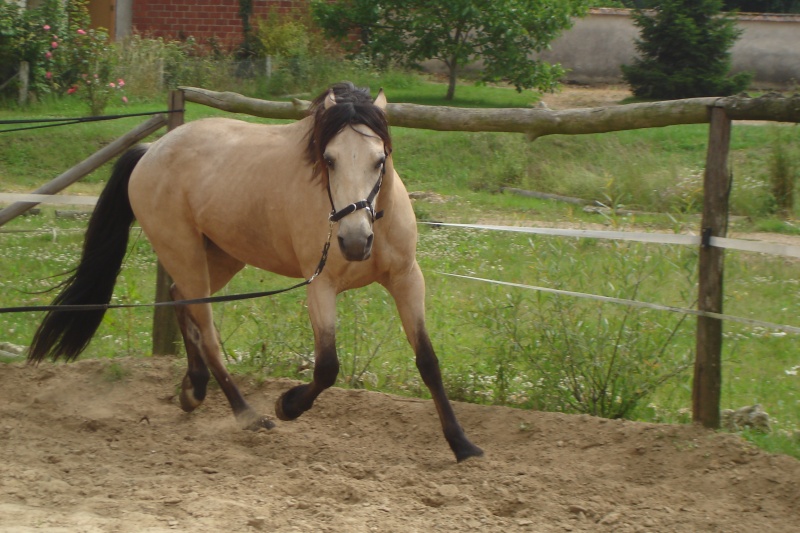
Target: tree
x=501, y=33
x=684, y=49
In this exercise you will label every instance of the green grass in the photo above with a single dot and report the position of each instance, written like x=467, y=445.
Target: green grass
x=651, y=170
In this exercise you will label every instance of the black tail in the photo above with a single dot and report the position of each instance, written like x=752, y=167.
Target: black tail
x=67, y=333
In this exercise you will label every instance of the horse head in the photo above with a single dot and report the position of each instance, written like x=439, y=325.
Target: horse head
x=350, y=142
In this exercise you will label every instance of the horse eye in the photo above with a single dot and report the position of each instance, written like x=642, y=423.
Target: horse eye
x=329, y=163
x=380, y=163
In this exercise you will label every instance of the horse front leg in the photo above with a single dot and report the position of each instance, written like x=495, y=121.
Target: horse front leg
x=409, y=295
x=322, y=312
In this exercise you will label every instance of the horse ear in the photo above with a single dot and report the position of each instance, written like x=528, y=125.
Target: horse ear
x=330, y=100
x=380, y=100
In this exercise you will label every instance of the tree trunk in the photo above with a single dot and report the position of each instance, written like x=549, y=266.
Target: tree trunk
x=451, y=86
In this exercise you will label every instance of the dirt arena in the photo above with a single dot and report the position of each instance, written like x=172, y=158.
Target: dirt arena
x=101, y=445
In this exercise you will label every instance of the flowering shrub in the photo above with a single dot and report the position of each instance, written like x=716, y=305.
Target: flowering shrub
x=98, y=92
x=65, y=56
x=95, y=61
x=83, y=62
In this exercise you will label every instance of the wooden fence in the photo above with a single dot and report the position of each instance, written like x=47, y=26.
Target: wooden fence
x=718, y=112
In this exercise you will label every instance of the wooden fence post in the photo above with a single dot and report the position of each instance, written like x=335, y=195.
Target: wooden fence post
x=166, y=333
x=24, y=82
x=707, y=383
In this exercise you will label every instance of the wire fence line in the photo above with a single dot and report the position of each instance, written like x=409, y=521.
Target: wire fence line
x=40, y=123
x=771, y=248
x=782, y=250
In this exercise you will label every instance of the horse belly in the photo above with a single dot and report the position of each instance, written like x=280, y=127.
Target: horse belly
x=263, y=247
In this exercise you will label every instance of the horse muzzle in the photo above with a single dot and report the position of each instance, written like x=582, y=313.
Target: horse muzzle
x=356, y=247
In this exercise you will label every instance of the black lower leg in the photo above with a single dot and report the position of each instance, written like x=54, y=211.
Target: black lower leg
x=195, y=382
x=428, y=366
x=298, y=400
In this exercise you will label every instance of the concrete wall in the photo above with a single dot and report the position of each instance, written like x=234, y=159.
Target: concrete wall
x=597, y=45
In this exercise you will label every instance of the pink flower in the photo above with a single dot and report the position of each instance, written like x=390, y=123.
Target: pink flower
x=81, y=32
x=125, y=99
x=48, y=75
x=46, y=27
x=72, y=90
x=112, y=85
x=121, y=82
x=54, y=44
x=48, y=55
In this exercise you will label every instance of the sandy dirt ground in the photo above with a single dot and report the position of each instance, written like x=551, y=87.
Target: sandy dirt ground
x=101, y=445
x=577, y=96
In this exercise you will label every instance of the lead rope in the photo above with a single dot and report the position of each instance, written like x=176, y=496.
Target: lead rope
x=324, y=258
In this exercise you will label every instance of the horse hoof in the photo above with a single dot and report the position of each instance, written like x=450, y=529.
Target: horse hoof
x=188, y=402
x=283, y=407
x=467, y=452
x=260, y=423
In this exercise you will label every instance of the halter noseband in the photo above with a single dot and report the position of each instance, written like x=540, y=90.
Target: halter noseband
x=336, y=216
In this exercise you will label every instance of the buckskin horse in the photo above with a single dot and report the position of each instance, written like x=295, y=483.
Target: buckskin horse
x=216, y=194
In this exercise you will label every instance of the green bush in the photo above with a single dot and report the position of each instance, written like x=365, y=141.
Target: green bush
x=684, y=50
x=296, y=59
x=783, y=174
x=154, y=66
x=561, y=353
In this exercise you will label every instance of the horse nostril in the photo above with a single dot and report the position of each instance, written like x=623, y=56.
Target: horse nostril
x=341, y=243
x=368, y=247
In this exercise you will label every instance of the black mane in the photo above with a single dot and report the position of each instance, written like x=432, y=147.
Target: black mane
x=353, y=106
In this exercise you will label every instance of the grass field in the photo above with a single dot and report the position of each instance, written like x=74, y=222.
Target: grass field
x=496, y=344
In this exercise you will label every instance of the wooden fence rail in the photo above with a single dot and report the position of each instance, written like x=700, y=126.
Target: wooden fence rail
x=532, y=122
x=85, y=167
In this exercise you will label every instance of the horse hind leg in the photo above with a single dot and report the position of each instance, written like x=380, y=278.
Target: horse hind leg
x=204, y=358
x=221, y=268
x=195, y=381
x=202, y=344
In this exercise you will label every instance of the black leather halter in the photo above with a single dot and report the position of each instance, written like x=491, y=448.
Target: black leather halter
x=367, y=203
